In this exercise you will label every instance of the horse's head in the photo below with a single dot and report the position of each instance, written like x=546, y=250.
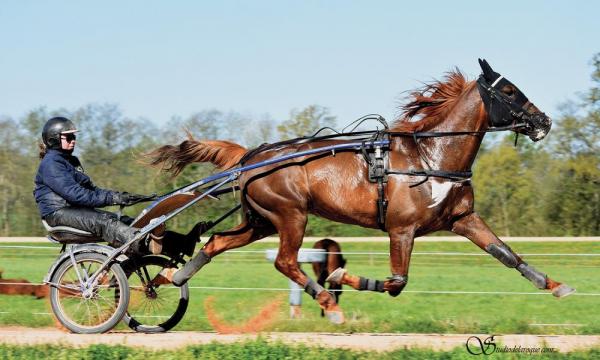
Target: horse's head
x=506, y=105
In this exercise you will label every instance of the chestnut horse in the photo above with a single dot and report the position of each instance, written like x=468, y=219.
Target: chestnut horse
x=440, y=131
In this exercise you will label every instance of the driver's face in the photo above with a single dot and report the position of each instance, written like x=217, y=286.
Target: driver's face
x=67, y=141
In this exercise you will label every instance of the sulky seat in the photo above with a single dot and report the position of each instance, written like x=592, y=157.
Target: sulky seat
x=69, y=235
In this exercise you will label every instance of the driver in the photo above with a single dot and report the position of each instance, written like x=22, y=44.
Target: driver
x=66, y=196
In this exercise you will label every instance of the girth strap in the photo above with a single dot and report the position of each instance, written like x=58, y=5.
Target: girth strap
x=452, y=175
x=377, y=158
x=382, y=204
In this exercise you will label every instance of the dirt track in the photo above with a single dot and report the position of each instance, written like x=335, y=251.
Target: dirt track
x=378, y=342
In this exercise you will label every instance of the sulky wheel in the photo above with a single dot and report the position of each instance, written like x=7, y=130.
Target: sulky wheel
x=88, y=309
x=154, y=306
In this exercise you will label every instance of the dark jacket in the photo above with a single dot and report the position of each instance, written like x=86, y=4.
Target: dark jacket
x=60, y=182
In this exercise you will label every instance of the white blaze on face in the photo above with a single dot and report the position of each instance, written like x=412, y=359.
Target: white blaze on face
x=439, y=191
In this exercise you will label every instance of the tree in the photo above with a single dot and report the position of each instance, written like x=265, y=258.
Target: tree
x=501, y=186
x=259, y=132
x=575, y=205
x=306, y=122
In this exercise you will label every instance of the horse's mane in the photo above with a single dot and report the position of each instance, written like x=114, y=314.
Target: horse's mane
x=433, y=102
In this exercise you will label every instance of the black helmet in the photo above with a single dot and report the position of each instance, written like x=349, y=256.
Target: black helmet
x=54, y=128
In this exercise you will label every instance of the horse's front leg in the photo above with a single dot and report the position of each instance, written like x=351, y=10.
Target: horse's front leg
x=401, y=245
x=476, y=230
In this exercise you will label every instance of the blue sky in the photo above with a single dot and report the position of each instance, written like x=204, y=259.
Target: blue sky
x=157, y=59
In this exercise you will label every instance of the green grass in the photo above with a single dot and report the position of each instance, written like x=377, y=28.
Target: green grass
x=374, y=312
x=255, y=349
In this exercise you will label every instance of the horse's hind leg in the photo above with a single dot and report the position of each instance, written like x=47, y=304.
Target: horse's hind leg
x=291, y=233
x=239, y=236
x=476, y=230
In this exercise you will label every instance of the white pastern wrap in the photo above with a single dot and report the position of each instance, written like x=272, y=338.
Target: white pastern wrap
x=439, y=191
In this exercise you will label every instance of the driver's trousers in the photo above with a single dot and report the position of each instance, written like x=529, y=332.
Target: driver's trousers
x=101, y=223
x=107, y=226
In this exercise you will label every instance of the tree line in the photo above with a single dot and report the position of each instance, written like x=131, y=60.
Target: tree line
x=550, y=188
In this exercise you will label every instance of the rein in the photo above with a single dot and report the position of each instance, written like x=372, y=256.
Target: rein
x=429, y=134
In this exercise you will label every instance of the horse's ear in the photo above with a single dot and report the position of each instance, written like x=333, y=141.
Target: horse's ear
x=488, y=73
x=481, y=62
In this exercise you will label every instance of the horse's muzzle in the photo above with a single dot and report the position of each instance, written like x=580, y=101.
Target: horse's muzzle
x=538, y=126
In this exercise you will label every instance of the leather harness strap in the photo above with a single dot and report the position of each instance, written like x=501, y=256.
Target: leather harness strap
x=450, y=175
x=377, y=158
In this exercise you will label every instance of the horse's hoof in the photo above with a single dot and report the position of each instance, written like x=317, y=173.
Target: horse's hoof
x=395, y=286
x=562, y=290
x=335, y=317
x=336, y=276
x=394, y=293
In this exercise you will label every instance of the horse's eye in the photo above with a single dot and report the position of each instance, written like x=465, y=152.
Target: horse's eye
x=508, y=90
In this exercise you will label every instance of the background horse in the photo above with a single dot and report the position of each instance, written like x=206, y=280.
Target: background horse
x=335, y=260
x=455, y=115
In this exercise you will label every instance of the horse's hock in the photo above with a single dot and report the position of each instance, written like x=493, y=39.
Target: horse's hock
x=304, y=256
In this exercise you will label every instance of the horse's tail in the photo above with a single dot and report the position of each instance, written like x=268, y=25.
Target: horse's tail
x=174, y=158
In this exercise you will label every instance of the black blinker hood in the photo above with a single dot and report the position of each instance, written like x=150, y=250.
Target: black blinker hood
x=502, y=110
